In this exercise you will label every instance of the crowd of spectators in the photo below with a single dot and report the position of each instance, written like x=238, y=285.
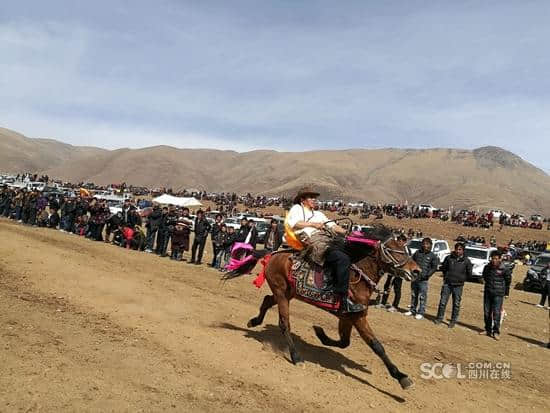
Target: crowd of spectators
x=164, y=231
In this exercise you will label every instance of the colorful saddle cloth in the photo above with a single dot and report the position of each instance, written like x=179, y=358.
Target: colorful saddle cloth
x=313, y=284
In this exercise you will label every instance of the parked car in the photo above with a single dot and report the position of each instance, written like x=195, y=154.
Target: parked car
x=428, y=207
x=440, y=248
x=232, y=222
x=361, y=228
x=533, y=278
x=480, y=257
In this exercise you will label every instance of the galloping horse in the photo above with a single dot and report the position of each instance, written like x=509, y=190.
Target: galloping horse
x=372, y=262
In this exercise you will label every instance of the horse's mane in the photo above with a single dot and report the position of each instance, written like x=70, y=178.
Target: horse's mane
x=358, y=251
x=378, y=232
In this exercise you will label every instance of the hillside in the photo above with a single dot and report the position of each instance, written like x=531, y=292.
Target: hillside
x=487, y=177
x=19, y=153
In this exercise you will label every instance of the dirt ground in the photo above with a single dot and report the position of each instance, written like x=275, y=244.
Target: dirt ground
x=86, y=326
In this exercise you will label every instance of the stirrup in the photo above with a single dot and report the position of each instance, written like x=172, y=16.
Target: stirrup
x=348, y=306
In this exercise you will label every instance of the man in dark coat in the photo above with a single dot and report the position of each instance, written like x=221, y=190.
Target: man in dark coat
x=153, y=224
x=202, y=228
x=242, y=233
x=162, y=235
x=497, y=278
x=216, y=228
x=456, y=270
x=252, y=237
x=428, y=262
x=68, y=213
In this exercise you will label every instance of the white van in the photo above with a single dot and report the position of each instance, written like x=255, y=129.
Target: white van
x=480, y=257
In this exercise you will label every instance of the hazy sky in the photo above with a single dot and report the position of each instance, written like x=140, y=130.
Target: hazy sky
x=287, y=75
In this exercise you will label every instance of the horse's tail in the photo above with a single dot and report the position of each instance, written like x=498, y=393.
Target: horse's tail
x=238, y=267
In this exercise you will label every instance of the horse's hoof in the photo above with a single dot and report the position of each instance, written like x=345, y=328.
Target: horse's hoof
x=251, y=323
x=406, y=383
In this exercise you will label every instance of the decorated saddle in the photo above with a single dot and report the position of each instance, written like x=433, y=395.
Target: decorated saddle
x=313, y=283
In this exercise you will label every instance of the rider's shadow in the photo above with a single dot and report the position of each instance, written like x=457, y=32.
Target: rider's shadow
x=320, y=355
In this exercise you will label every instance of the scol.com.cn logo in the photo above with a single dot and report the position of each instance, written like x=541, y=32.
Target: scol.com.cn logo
x=480, y=370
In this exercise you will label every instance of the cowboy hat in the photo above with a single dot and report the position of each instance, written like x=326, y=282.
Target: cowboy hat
x=303, y=193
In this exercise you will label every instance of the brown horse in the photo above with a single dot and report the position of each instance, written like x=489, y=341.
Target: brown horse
x=387, y=257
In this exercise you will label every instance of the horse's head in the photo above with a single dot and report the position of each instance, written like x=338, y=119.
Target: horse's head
x=396, y=260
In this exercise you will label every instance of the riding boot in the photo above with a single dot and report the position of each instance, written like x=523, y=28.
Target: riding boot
x=348, y=306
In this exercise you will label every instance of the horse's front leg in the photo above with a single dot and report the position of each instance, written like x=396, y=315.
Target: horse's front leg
x=284, y=324
x=364, y=329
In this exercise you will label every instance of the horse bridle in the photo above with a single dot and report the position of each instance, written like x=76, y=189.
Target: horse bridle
x=388, y=258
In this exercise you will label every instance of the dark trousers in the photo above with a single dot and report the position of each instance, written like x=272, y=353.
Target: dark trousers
x=25, y=215
x=151, y=234
x=97, y=233
x=215, y=251
x=396, y=282
x=68, y=223
x=18, y=213
x=339, y=262
x=419, y=295
x=32, y=217
x=492, y=307
x=446, y=291
x=162, y=242
x=197, y=243
x=545, y=294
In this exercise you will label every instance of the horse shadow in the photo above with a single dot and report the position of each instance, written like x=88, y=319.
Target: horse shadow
x=527, y=302
x=471, y=327
x=320, y=355
x=529, y=340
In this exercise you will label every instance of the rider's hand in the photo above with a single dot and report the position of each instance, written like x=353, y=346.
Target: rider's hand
x=317, y=225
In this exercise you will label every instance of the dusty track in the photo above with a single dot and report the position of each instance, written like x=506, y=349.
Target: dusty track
x=86, y=326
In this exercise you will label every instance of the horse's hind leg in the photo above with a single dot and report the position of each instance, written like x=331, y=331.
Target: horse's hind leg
x=284, y=325
x=344, y=329
x=269, y=301
x=363, y=327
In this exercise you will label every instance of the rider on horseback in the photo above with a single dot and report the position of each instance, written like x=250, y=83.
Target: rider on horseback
x=317, y=233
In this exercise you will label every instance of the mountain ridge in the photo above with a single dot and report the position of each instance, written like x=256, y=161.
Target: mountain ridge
x=485, y=177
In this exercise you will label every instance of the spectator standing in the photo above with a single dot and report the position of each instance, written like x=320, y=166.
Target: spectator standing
x=202, y=228
x=428, y=262
x=497, y=278
x=242, y=233
x=152, y=226
x=216, y=228
x=456, y=270
x=228, y=246
x=171, y=221
x=252, y=236
x=219, y=242
x=180, y=239
x=545, y=293
x=162, y=235
x=273, y=237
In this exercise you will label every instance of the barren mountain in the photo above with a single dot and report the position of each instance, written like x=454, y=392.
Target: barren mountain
x=19, y=153
x=487, y=177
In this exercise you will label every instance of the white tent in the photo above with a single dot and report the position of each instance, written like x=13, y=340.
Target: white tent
x=178, y=201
